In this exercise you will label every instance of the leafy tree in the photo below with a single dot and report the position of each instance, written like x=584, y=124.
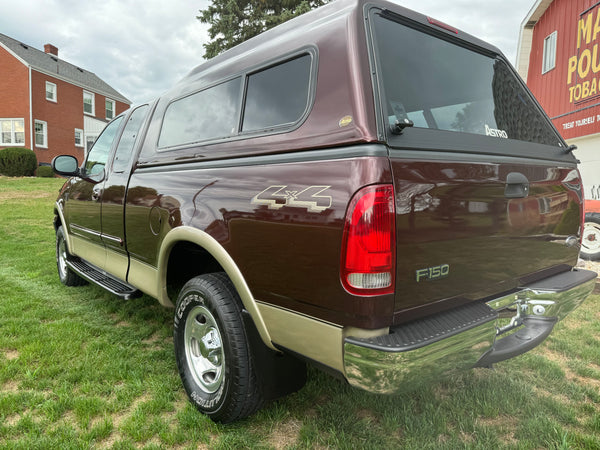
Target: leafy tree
x=472, y=118
x=235, y=21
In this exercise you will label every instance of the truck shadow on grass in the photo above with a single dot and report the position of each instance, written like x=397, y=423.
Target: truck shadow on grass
x=97, y=371
x=548, y=398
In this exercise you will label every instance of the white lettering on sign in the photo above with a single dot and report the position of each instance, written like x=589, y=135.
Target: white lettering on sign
x=581, y=122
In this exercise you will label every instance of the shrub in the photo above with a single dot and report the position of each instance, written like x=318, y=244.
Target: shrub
x=17, y=162
x=45, y=172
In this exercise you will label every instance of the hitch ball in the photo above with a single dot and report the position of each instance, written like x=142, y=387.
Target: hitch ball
x=539, y=310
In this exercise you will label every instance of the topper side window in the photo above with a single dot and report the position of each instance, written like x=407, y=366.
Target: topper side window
x=278, y=95
x=212, y=113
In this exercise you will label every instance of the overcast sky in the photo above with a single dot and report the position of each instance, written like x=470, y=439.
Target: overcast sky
x=142, y=47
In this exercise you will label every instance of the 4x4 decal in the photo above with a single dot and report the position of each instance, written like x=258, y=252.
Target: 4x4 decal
x=278, y=196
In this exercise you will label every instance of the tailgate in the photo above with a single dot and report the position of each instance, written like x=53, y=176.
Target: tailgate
x=467, y=231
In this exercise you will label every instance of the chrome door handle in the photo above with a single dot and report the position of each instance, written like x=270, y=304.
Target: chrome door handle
x=96, y=194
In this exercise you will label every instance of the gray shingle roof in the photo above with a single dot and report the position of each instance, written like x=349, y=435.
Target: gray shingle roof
x=51, y=64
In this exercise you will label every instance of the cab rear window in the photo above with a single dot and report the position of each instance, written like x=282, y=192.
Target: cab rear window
x=438, y=84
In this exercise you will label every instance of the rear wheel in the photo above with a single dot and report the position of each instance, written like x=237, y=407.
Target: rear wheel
x=590, y=244
x=66, y=275
x=211, y=348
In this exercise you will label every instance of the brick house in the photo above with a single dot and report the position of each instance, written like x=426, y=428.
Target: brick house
x=49, y=105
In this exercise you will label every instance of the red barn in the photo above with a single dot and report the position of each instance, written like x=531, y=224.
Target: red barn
x=559, y=57
x=49, y=105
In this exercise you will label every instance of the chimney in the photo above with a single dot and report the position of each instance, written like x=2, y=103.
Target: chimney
x=51, y=49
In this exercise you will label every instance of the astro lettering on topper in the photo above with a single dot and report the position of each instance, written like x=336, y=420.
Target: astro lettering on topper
x=494, y=132
x=278, y=196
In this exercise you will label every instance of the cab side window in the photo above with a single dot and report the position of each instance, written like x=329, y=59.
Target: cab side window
x=98, y=155
x=125, y=149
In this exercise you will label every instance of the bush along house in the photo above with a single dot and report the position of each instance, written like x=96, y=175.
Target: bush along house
x=559, y=58
x=49, y=105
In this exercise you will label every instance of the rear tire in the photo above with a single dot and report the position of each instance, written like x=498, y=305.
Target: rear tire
x=212, y=352
x=590, y=244
x=65, y=274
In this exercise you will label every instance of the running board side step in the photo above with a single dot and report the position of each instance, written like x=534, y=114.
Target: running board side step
x=102, y=279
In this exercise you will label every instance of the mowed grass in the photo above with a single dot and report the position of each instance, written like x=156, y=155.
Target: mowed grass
x=80, y=368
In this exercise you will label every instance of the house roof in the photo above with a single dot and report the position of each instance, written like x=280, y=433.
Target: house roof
x=535, y=13
x=537, y=10
x=54, y=66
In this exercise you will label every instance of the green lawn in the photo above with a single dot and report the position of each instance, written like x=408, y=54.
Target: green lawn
x=80, y=368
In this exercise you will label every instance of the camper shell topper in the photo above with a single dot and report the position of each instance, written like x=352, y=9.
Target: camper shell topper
x=363, y=188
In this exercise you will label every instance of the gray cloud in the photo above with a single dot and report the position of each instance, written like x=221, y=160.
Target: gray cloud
x=143, y=47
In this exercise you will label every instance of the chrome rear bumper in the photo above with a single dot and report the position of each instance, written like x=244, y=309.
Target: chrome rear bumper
x=475, y=335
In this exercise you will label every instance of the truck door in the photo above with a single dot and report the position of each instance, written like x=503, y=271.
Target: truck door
x=115, y=190
x=84, y=205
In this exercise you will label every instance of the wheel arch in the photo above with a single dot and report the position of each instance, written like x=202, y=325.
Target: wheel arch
x=59, y=220
x=188, y=235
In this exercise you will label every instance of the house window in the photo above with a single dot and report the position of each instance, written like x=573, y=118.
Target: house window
x=110, y=109
x=88, y=103
x=78, y=137
x=50, y=91
x=41, y=134
x=12, y=132
x=549, y=59
x=89, y=141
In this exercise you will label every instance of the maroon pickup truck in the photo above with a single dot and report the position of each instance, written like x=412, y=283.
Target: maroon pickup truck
x=364, y=188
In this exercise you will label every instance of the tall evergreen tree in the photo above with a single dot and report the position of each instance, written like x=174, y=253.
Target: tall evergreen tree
x=235, y=21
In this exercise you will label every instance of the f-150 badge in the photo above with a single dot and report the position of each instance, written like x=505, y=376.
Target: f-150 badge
x=276, y=197
x=433, y=273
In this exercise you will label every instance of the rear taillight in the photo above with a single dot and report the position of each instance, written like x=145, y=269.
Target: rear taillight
x=369, y=243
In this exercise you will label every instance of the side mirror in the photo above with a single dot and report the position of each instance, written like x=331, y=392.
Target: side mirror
x=66, y=165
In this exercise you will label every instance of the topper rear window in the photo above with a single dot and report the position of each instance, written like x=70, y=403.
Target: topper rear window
x=438, y=84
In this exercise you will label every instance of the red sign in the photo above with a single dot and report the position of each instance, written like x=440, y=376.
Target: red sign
x=569, y=91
